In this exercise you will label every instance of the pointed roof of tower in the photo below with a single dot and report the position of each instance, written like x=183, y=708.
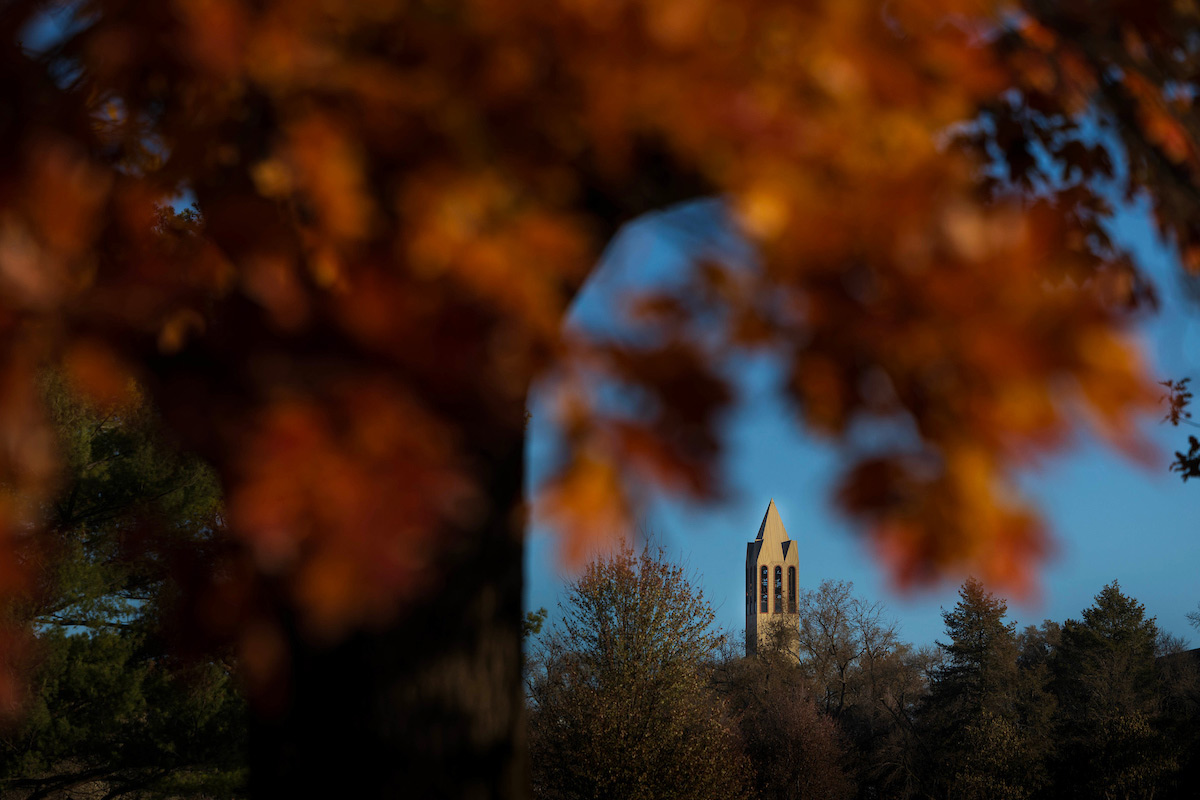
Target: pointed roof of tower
x=772, y=531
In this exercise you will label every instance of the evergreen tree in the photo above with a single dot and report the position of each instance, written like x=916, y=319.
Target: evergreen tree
x=1105, y=679
x=977, y=745
x=1107, y=659
x=979, y=671
x=128, y=506
x=1037, y=706
x=110, y=707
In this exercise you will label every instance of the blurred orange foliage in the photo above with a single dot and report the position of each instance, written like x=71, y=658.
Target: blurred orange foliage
x=398, y=200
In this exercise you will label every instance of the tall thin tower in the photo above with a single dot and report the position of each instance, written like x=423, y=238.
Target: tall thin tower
x=772, y=561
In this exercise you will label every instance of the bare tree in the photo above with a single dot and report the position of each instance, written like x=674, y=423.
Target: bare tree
x=841, y=643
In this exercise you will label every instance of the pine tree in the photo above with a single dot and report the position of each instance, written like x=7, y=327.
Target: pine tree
x=972, y=726
x=1107, y=659
x=110, y=705
x=1105, y=679
x=980, y=666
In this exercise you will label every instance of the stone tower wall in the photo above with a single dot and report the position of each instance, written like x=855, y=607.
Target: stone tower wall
x=773, y=550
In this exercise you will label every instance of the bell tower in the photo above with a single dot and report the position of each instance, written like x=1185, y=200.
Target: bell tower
x=772, y=561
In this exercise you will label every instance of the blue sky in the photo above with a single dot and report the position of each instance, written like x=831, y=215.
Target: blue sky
x=1111, y=519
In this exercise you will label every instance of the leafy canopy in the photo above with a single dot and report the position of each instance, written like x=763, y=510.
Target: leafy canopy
x=619, y=702
x=398, y=201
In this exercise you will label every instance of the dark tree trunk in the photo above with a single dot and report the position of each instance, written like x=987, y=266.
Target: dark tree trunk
x=429, y=707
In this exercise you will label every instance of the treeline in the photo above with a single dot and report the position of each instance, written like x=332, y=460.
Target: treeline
x=634, y=694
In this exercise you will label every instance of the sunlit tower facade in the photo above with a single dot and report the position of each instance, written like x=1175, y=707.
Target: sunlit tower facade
x=772, y=564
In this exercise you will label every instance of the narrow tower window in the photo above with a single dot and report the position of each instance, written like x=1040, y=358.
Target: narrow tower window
x=779, y=590
x=791, y=590
x=763, y=609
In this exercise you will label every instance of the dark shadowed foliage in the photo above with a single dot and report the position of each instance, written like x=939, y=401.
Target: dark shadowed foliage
x=1107, y=682
x=796, y=751
x=114, y=709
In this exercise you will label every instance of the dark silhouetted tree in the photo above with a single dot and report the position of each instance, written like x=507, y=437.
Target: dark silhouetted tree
x=972, y=727
x=796, y=752
x=1109, y=694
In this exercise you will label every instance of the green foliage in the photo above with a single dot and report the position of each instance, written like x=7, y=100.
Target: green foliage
x=979, y=672
x=628, y=700
x=109, y=705
x=105, y=710
x=975, y=723
x=990, y=761
x=532, y=624
x=1106, y=661
x=1106, y=681
x=128, y=503
x=1037, y=705
x=1060, y=711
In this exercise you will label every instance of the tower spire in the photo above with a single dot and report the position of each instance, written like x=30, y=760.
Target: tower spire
x=772, y=564
x=771, y=531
